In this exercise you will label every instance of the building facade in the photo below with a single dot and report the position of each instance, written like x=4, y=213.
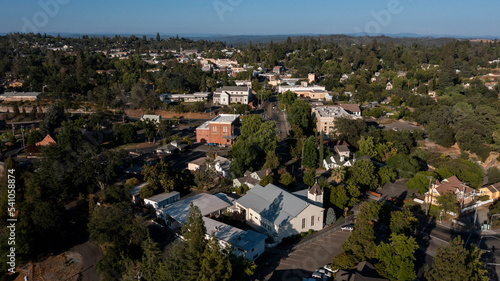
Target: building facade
x=223, y=129
x=233, y=94
x=327, y=115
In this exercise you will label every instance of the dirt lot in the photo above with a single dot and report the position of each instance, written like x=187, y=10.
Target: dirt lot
x=67, y=266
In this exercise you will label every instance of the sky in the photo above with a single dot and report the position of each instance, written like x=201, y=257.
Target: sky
x=252, y=17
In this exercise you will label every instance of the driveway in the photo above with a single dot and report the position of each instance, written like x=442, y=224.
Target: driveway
x=91, y=254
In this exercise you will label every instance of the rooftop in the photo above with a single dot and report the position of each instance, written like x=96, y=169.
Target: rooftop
x=331, y=111
x=232, y=88
x=135, y=190
x=163, y=196
x=20, y=94
x=207, y=203
x=273, y=203
x=246, y=240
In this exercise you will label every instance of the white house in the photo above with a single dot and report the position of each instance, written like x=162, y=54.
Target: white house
x=251, y=179
x=161, y=200
x=151, y=117
x=278, y=212
x=246, y=243
x=233, y=94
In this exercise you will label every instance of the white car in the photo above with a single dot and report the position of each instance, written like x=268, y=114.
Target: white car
x=325, y=272
x=347, y=227
x=317, y=274
x=328, y=268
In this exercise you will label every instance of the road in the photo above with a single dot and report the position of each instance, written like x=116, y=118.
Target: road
x=91, y=254
x=270, y=112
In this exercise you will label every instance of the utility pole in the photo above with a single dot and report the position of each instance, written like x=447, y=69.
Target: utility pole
x=430, y=193
x=13, y=132
x=22, y=134
x=302, y=161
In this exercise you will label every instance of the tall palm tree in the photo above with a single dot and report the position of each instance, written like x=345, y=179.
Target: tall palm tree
x=338, y=174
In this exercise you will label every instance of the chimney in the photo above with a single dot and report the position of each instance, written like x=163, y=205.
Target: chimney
x=267, y=172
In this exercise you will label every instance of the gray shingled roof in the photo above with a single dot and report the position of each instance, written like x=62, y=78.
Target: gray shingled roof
x=232, y=88
x=273, y=203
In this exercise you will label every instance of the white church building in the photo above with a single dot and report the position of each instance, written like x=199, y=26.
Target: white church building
x=279, y=213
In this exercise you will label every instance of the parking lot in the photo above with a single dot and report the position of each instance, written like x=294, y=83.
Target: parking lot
x=302, y=262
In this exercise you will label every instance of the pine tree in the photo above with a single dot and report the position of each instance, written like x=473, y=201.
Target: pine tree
x=310, y=154
x=150, y=258
x=158, y=39
x=330, y=216
x=454, y=262
x=215, y=264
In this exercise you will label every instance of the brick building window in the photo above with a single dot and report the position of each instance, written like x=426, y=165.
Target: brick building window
x=214, y=129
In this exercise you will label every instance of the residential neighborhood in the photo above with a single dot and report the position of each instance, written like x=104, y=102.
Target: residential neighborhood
x=247, y=157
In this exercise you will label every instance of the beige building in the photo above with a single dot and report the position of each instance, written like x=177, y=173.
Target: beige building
x=327, y=115
x=453, y=185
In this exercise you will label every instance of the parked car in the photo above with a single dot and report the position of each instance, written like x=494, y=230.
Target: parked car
x=347, y=227
x=328, y=267
x=325, y=272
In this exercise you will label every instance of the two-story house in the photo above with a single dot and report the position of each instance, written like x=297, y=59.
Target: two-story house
x=233, y=94
x=462, y=192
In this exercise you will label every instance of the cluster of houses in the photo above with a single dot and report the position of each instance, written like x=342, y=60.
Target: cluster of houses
x=270, y=212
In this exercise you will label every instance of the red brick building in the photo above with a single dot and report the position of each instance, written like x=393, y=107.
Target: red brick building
x=220, y=130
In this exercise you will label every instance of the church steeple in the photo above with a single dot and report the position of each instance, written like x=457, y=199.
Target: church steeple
x=315, y=193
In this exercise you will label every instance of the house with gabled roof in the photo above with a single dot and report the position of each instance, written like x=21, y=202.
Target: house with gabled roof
x=251, y=178
x=461, y=190
x=492, y=190
x=279, y=213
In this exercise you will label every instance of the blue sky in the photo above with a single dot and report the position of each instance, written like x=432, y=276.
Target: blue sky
x=241, y=17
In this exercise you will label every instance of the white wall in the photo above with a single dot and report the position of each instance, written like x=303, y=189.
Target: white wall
x=295, y=225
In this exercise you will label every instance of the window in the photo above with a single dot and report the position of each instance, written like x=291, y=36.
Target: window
x=214, y=129
x=224, y=129
x=312, y=220
x=303, y=223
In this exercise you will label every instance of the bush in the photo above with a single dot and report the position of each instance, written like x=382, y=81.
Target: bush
x=483, y=198
x=493, y=175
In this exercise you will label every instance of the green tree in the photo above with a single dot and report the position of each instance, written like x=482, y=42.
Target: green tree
x=321, y=150
x=448, y=202
x=69, y=136
x=386, y=175
x=299, y=113
x=397, y=258
x=34, y=137
x=454, y=262
x=310, y=153
x=330, y=216
x=286, y=179
x=126, y=133
x=150, y=258
x=339, y=196
x=53, y=119
x=404, y=165
x=215, y=264
x=266, y=180
x=366, y=147
x=309, y=177
x=344, y=261
x=272, y=161
x=493, y=175
x=159, y=176
x=362, y=173
x=419, y=183
x=403, y=222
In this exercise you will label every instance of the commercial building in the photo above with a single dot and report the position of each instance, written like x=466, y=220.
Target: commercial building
x=223, y=129
x=327, y=115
